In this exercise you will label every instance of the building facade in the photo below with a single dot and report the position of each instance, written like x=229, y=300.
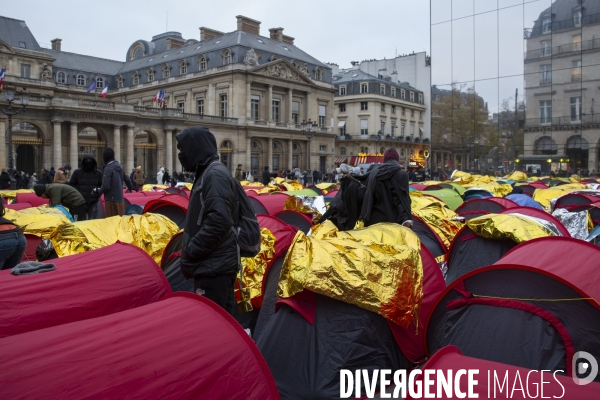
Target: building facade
x=374, y=113
x=534, y=65
x=251, y=91
x=562, y=83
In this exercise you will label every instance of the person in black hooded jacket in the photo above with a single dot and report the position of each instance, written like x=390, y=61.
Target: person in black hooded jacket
x=86, y=179
x=210, y=254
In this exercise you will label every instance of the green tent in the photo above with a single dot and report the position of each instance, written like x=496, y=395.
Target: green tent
x=303, y=192
x=448, y=196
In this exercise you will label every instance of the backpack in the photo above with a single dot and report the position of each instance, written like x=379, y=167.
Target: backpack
x=247, y=230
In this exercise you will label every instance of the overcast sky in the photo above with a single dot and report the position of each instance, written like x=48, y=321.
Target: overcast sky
x=331, y=31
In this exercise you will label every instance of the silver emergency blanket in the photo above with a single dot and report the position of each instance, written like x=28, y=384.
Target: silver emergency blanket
x=551, y=227
x=575, y=222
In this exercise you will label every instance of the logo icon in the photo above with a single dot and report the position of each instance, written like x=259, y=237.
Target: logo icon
x=584, y=364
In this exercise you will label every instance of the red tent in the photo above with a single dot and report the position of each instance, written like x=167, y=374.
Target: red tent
x=267, y=204
x=299, y=220
x=418, y=186
x=32, y=243
x=283, y=232
x=18, y=206
x=31, y=198
x=537, y=213
x=83, y=286
x=488, y=204
x=183, y=347
x=172, y=206
x=572, y=260
x=523, y=380
x=577, y=198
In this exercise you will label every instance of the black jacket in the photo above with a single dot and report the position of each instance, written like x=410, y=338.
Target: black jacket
x=4, y=180
x=266, y=177
x=389, y=199
x=87, y=180
x=112, y=181
x=45, y=179
x=210, y=247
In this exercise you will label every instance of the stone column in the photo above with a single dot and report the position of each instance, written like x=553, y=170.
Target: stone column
x=248, y=100
x=117, y=142
x=290, y=93
x=270, y=155
x=270, y=103
x=189, y=107
x=3, y=160
x=130, y=157
x=593, y=158
x=210, y=99
x=56, y=145
x=160, y=150
x=248, y=153
x=73, y=147
x=169, y=150
x=290, y=153
x=307, y=107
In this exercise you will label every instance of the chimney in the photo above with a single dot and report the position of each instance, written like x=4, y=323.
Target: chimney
x=288, y=39
x=276, y=34
x=56, y=44
x=207, y=33
x=248, y=25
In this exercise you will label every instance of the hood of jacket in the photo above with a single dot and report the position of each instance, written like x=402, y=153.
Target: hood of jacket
x=198, y=144
x=114, y=165
x=91, y=157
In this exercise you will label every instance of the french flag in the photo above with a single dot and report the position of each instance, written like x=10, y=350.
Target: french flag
x=104, y=91
x=91, y=88
x=2, y=71
x=160, y=96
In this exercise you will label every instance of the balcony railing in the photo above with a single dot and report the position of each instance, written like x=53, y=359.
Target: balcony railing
x=563, y=49
x=210, y=118
x=562, y=25
x=97, y=104
x=584, y=119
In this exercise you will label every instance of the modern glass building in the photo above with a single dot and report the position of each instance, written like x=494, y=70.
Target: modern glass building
x=514, y=85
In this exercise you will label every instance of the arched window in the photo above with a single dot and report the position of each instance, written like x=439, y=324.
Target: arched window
x=61, y=77
x=273, y=58
x=99, y=83
x=119, y=81
x=166, y=71
x=342, y=151
x=225, y=151
x=226, y=57
x=202, y=63
x=318, y=74
x=136, y=78
x=150, y=73
x=545, y=145
x=80, y=80
x=137, y=52
x=183, y=67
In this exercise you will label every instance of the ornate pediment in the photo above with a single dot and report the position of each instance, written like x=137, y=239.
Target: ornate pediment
x=6, y=48
x=283, y=70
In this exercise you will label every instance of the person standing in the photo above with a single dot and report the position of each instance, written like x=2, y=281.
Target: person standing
x=266, y=177
x=62, y=175
x=64, y=195
x=85, y=180
x=159, y=175
x=238, y=173
x=12, y=241
x=166, y=179
x=210, y=253
x=139, y=177
x=387, y=198
x=4, y=180
x=112, y=185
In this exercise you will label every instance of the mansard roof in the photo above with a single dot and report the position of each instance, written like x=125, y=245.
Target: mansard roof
x=14, y=31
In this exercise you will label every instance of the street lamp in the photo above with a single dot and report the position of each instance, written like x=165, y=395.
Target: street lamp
x=10, y=97
x=309, y=129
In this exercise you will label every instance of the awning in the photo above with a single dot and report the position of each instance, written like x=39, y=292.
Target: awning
x=341, y=124
x=340, y=160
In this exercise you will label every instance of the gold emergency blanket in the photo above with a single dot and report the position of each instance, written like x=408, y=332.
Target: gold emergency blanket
x=292, y=185
x=10, y=195
x=461, y=177
x=268, y=189
x=517, y=176
x=496, y=189
x=150, y=187
x=248, y=183
x=438, y=217
x=326, y=187
x=545, y=196
x=418, y=200
x=575, y=178
x=150, y=232
x=377, y=268
x=39, y=221
x=314, y=205
x=253, y=272
x=508, y=226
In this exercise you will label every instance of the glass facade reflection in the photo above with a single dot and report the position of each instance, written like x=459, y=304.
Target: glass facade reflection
x=514, y=85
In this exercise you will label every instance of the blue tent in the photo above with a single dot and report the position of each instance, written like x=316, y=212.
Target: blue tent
x=524, y=201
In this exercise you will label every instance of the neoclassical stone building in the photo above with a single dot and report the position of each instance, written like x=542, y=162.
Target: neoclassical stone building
x=252, y=91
